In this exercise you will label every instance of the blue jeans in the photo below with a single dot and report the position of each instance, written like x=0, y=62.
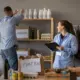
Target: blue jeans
x=11, y=56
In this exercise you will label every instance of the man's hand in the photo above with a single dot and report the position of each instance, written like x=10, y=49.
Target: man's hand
x=22, y=11
x=15, y=12
x=60, y=48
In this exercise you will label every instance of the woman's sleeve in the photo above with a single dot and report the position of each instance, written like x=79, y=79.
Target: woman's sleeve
x=74, y=46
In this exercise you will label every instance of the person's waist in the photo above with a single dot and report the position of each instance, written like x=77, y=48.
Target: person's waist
x=5, y=48
x=7, y=45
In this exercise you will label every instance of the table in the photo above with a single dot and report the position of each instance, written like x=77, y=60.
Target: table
x=55, y=77
x=40, y=78
x=59, y=76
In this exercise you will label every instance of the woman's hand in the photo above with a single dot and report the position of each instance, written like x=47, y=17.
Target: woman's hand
x=60, y=47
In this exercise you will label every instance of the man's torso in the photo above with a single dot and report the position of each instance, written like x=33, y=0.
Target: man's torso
x=7, y=32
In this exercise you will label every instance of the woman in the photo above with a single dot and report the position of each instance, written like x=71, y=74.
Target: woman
x=68, y=45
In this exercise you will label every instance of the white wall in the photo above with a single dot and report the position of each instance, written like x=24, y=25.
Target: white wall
x=62, y=9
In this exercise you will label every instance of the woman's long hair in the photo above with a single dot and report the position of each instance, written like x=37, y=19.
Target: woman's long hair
x=68, y=26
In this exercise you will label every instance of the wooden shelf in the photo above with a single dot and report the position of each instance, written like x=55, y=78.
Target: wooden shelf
x=47, y=60
x=51, y=21
x=35, y=19
x=32, y=40
x=22, y=49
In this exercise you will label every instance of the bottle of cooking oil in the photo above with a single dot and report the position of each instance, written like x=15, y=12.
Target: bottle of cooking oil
x=14, y=76
x=20, y=76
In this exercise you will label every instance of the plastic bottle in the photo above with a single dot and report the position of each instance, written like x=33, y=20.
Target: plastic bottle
x=26, y=14
x=35, y=14
x=44, y=13
x=40, y=16
x=30, y=14
x=48, y=14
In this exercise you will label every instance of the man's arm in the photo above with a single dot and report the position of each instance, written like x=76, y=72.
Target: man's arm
x=1, y=19
x=19, y=17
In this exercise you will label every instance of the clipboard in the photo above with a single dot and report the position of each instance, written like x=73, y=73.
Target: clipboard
x=52, y=46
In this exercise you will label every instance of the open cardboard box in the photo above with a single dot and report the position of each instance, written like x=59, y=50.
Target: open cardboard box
x=29, y=62
x=23, y=52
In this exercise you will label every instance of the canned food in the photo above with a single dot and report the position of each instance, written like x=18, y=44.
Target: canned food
x=20, y=76
x=14, y=76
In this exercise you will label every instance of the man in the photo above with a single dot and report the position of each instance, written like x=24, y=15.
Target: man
x=8, y=36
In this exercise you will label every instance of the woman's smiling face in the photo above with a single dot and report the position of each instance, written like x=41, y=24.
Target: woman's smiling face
x=60, y=27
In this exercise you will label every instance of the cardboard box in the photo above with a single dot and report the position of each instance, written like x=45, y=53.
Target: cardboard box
x=31, y=65
x=23, y=52
x=26, y=32
x=22, y=32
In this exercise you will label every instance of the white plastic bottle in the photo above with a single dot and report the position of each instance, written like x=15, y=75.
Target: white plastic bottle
x=30, y=14
x=40, y=15
x=35, y=14
x=48, y=14
x=44, y=13
x=26, y=14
